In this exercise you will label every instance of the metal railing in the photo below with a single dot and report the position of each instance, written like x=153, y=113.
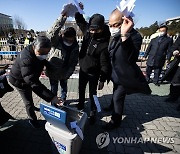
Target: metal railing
x=9, y=52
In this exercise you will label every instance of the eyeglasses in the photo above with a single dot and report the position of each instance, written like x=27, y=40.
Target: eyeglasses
x=115, y=25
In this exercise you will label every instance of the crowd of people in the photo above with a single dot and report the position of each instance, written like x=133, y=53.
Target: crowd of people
x=108, y=52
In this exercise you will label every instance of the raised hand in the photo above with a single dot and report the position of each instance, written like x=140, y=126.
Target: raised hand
x=81, y=5
x=127, y=25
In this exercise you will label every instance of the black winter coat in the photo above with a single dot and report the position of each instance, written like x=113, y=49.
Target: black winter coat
x=158, y=50
x=173, y=73
x=94, y=55
x=12, y=42
x=26, y=72
x=123, y=59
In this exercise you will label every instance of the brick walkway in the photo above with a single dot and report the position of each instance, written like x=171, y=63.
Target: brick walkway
x=144, y=117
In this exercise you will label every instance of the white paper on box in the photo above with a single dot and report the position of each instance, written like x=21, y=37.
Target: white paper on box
x=77, y=128
x=126, y=7
x=97, y=103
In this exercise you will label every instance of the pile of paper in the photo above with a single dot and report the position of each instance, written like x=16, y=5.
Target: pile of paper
x=71, y=8
x=126, y=7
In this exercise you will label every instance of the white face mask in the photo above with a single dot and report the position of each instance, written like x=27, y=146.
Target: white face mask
x=67, y=44
x=114, y=31
x=41, y=57
x=161, y=34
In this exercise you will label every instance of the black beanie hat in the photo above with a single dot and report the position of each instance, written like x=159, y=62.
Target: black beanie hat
x=96, y=21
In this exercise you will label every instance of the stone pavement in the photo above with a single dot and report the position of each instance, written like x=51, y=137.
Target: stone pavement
x=149, y=125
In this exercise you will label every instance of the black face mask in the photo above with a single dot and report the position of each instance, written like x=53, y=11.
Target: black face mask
x=96, y=35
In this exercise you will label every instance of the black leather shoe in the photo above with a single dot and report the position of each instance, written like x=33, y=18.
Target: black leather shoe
x=80, y=106
x=110, y=126
x=36, y=109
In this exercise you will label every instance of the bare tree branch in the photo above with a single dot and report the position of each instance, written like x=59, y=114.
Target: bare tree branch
x=19, y=23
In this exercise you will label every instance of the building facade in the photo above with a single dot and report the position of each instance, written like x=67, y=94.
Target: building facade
x=6, y=22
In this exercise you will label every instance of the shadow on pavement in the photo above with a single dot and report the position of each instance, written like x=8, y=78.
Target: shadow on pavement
x=20, y=138
x=142, y=114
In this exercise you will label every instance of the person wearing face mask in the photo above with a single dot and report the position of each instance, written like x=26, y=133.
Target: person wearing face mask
x=126, y=76
x=25, y=73
x=93, y=58
x=29, y=39
x=63, y=57
x=157, y=53
x=21, y=41
x=12, y=44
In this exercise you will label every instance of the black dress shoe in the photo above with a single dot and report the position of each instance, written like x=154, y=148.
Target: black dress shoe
x=80, y=106
x=110, y=126
x=36, y=109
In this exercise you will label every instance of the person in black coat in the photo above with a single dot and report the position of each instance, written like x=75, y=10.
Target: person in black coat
x=12, y=44
x=174, y=73
x=25, y=73
x=93, y=58
x=157, y=53
x=126, y=75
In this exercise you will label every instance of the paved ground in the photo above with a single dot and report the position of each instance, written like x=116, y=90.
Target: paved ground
x=145, y=118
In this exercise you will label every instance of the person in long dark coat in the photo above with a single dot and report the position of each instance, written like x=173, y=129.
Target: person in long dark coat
x=126, y=75
x=173, y=75
x=157, y=53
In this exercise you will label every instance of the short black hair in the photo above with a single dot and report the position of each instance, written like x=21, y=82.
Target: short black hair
x=42, y=42
x=163, y=26
x=69, y=32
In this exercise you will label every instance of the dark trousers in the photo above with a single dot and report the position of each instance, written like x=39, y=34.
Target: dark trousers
x=157, y=72
x=54, y=87
x=93, y=82
x=118, y=98
x=174, y=91
x=26, y=94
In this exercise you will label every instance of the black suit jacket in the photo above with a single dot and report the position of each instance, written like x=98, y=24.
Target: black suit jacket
x=173, y=73
x=123, y=59
x=158, y=50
